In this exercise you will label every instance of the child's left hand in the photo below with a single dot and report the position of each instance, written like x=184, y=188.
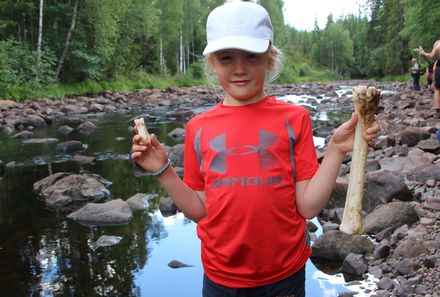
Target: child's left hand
x=343, y=137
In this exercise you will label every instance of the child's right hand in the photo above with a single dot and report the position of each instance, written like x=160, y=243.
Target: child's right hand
x=152, y=157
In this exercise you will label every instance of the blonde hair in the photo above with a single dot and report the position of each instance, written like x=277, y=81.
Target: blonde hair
x=274, y=54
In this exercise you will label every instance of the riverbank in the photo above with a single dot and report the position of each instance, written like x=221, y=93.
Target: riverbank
x=403, y=165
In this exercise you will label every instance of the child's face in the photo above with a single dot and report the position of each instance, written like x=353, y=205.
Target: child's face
x=241, y=74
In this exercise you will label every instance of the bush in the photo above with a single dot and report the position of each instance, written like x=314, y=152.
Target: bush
x=21, y=66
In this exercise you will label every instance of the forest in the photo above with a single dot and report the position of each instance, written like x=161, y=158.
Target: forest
x=60, y=43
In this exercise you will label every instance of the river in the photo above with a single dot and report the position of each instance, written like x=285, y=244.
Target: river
x=42, y=253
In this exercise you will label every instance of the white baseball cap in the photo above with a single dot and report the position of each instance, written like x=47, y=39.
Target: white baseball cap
x=238, y=25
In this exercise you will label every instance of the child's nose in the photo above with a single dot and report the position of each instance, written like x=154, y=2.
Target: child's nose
x=240, y=66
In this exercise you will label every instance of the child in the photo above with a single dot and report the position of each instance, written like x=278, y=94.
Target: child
x=415, y=73
x=251, y=172
x=434, y=57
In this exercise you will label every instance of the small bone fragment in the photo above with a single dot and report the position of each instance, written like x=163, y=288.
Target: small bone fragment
x=142, y=131
x=366, y=101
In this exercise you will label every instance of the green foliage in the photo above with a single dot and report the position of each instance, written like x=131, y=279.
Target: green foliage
x=19, y=66
x=149, y=43
x=196, y=70
x=304, y=70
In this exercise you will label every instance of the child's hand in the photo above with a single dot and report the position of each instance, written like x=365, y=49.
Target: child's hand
x=343, y=137
x=152, y=157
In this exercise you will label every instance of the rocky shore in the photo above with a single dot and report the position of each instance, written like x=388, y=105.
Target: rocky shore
x=401, y=247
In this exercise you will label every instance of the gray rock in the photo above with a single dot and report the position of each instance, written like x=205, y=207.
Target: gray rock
x=336, y=245
x=70, y=146
x=86, y=127
x=65, y=130
x=393, y=215
x=65, y=189
x=140, y=201
x=114, y=212
x=177, y=264
x=354, y=264
x=40, y=141
x=106, y=240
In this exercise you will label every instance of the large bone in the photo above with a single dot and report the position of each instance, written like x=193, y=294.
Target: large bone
x=366, y=101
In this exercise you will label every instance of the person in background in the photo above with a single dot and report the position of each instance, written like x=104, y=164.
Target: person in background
x=415, y=73
x=251, y=175
x=434, y=57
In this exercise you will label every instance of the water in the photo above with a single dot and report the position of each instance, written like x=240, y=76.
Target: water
x=44, y=254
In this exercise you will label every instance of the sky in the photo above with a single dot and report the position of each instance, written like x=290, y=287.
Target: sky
x=301, y=14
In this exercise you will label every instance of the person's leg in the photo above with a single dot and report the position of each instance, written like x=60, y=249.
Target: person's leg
x=437, y=99
x=417, y=82
x=436, y=82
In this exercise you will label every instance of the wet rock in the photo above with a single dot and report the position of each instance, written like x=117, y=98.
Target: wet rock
x=40, y=141
x=23, y=135
x=64, y=189
x=177, y=134
x=84, y=159
x=177, y=264
x=176, y=155
x=65, y=130
x=167, y=207
x=382, y=250
x=114, y=212
x=106, y=240
x=354, y=264
x=69, y=147
x=86, y=128
x=140, y=201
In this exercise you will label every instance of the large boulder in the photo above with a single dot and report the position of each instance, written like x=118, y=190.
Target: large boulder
x=64, y=189
x=114, y=212
x=336, y=245
x=391, y=215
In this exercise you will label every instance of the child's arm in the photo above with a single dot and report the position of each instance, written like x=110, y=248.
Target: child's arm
x=153, y=157
x=313, y=194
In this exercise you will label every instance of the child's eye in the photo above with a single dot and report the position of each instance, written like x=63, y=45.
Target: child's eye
x=224, y=58
x=251, y=56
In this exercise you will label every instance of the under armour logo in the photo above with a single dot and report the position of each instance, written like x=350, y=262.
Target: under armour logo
x=267, y=159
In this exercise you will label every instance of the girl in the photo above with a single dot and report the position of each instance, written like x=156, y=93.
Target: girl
x=251, y=173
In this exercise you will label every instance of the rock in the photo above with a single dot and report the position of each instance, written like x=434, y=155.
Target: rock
x=84, y=159
x=140, y=201
x=393, y=215
x=177, y=134
x=69, y=147
x=354, y=264
x=65, y=130
x=336, y=245
x=2, y=168
x=86, y=128
x=64, y=189
x=106, y=240
x=40, y=141
x=114, y=212
x=167, y=207
x=410, y=249
x=23, y=135
x=177, y=264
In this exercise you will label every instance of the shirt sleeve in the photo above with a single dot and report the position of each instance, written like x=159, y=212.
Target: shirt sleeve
x=192, y=158
x=306, y=161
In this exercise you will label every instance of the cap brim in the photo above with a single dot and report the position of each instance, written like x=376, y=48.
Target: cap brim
x=245, y=43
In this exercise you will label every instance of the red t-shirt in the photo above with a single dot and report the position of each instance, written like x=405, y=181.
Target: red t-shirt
x=247, y=159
